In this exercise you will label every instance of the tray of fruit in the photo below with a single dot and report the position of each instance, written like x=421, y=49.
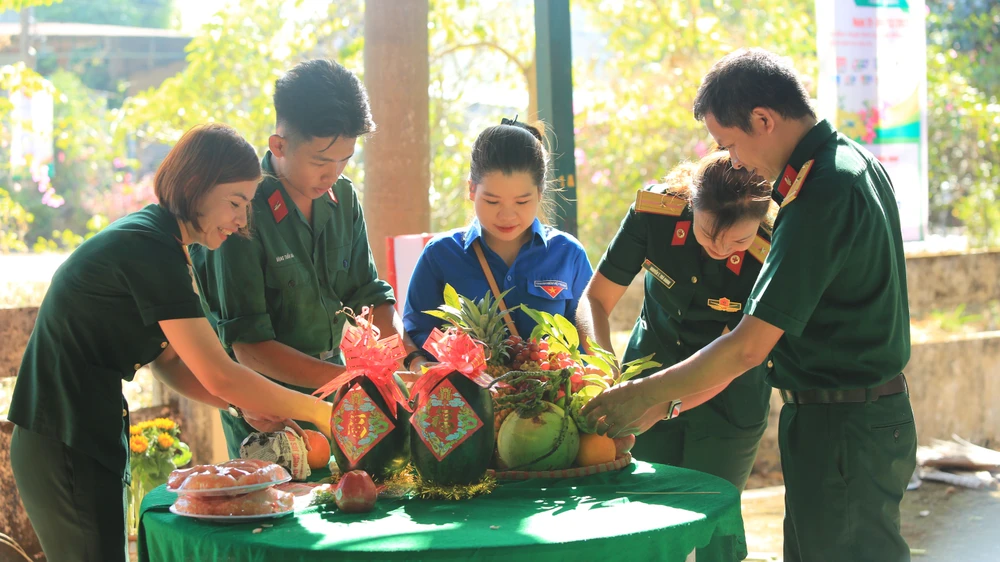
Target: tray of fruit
x=571, y=472
x=539, y=386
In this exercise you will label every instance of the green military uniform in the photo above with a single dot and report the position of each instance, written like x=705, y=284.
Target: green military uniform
x=289, y=281
x=689, y=300
x=97, y=325
x=835, y=282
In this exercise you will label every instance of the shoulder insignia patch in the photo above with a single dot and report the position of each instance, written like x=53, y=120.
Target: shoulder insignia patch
x=759, y=248
x=278, y=206
x=681, y=231
x=659, y=203
x=735, y=262
x=796, y=186
x=786, y=180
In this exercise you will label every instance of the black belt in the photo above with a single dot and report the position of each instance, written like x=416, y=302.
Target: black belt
x=854, y=395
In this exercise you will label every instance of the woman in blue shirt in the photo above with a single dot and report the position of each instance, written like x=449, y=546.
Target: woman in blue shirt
x=542, y=267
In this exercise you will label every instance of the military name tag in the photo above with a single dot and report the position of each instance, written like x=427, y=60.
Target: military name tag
x=445, y=421
x=358, y=424
x=658, y=274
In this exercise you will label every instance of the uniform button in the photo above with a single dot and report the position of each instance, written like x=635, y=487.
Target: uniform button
x=291, y=283
x=678, y=342
x=694, y=279
x=770, y=364
x=895, y=434
x=124, y=412
x=345, y=264
x=163, y=345
x=678, y=312
x=137, y=366
x=508, y=277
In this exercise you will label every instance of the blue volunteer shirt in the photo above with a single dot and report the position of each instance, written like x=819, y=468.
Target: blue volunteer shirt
x=549, y=273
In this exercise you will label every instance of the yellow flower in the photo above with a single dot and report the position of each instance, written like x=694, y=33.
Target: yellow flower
x=134, y=430
x=138, y=444
x=165, y=441
x=164, y=424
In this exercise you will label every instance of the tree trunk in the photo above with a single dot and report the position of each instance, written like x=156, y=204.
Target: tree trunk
x=397, y=156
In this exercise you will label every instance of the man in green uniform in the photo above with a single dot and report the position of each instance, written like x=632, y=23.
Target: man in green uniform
x=276, y=299
x=829, y=311
x=690, y=298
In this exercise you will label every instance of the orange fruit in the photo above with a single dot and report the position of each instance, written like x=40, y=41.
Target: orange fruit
x=595, y=449
x=319, y=456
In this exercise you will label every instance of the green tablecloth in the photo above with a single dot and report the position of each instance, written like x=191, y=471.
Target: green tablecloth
x=566, y=519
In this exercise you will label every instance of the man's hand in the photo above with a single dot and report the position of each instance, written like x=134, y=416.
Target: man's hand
x=623, y=409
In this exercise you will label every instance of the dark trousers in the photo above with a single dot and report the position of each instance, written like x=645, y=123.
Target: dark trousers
x=706, y=440
x=76, y=505
x=846, y=467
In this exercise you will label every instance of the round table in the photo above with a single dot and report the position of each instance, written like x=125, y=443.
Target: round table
x=645, y=512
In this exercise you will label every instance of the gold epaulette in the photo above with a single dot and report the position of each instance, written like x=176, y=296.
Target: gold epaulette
x=767, y=225
x=760, y=247
x=660, y=203
x=799, y=180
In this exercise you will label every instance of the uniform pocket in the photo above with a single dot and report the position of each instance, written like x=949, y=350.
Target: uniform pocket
x=747, y=400
x=288, y=285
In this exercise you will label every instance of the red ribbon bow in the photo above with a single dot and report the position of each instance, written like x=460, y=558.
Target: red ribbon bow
x=455, y=351
x=368, y=356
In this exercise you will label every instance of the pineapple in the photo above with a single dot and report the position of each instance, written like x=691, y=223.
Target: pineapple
x=484, y=322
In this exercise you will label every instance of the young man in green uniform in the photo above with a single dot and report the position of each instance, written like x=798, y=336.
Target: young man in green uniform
x=701, y=236
x=829, y=312
x=276, y=298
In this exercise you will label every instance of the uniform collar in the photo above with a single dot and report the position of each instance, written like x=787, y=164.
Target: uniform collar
x=821, y=133
x=166, y=220
x=475, y=232
x=270, y=183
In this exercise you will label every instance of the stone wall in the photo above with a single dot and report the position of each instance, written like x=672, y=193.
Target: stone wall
x=15, y=328
x=944, y=281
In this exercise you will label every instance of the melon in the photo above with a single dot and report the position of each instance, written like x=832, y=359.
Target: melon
x=391, y=455
x=466, y=463
x=531, y=441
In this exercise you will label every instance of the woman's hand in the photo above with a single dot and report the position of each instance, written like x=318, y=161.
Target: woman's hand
x=270, y=424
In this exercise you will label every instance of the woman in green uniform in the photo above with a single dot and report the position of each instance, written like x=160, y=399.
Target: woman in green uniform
x=701, y=236
x=123, y=299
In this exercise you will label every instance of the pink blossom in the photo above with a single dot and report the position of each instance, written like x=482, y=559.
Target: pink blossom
x=62, y=157
x=580, y=156
x=52, y=200
x=118, y=162
x=701, y=148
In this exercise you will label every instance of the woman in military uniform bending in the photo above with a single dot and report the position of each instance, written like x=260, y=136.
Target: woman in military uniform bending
x=125, y=298
x=701, y=236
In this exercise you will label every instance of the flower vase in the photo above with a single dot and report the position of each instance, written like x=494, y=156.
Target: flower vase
x=136, y=491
